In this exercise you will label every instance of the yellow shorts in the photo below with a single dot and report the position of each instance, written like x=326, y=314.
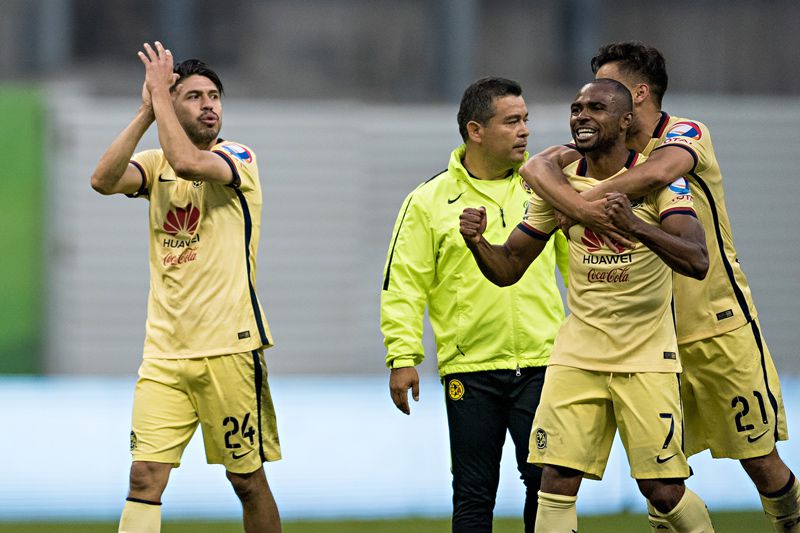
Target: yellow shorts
x=227, y=395
x=580, y=411
x=731, y=395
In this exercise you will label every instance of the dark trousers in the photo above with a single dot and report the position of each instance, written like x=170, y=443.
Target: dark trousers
x=481, y=407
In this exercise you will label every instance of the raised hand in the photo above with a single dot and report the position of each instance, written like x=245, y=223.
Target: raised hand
x=473, y=224
x=158, y=64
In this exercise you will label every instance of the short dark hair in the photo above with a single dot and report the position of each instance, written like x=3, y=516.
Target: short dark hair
x=192, y=67
x=478, y=101
x=623, y=96
x=639, y=59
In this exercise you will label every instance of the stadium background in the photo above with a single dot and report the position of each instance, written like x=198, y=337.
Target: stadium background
x=348, y=104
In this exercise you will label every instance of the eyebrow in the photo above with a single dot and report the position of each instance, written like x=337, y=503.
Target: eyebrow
x=201, y=91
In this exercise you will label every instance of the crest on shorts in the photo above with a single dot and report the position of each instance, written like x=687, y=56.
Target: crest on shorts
x=133, y=441
x=455, y=389
x=541, y=439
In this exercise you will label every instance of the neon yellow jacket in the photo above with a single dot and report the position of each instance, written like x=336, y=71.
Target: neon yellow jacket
x=477, y=325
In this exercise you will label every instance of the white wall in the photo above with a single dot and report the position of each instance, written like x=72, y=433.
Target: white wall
x=334, y=176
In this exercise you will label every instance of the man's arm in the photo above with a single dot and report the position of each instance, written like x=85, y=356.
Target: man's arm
x=680, y=240
x=408, y=276
x=663, y=166
x=543, y=172
x=503, y=264
x=114, y=173
x=187, y=160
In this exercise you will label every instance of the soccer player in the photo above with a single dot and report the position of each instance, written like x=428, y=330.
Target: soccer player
x=205, y=333
x=614, y=364
x=492, y=343
x=728, y=370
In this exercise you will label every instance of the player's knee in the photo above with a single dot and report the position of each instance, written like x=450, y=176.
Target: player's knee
x=247, y=486
x=762, y=462
x=662, y=494
x=148, y=478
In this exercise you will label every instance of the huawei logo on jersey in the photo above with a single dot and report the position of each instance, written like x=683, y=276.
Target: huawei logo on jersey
x=594, y=243
x=182, y=222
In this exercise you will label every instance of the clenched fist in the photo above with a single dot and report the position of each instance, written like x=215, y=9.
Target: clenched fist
x=473, y=224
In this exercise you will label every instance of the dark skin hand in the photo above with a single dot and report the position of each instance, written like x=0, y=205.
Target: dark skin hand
x=619, y=212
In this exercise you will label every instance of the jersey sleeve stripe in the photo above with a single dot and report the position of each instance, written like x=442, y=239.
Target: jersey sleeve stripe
x=533, y=232
x=237, y=181
x=678, y=211
x=694, y=155
x=248, y=231
x=143, y=187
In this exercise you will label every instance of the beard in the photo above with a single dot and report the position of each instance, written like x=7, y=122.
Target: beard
x=202, y=135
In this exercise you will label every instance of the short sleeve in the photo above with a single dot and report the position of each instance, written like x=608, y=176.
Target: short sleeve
x=539, y=221
x=242, y=162
x=693, y=137
x=147, y=163
x=675, y=199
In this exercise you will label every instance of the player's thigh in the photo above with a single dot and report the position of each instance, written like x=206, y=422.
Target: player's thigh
x=164, y=417
x=236, y=411
x=650, y=419
x=476, y=404
x=574, y=425
x=738, y=397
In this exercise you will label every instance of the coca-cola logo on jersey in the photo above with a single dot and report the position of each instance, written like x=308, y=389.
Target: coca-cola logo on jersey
x=615, y=275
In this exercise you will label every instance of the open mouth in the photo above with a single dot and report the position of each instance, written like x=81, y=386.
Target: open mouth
x=584, y=133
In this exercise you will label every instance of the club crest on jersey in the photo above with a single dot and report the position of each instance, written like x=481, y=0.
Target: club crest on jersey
x=541, y=439
x=525, y=186
x=680, y=186
x=455, y=389
x=238, y=151
x=686, y=129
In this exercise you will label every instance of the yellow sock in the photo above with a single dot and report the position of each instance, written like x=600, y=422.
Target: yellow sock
x=689, y=516
x=556, y=514
x=784, y=510
x=140, y=517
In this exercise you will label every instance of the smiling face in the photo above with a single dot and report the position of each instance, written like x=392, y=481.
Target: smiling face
x=504, y=137
x=199, y=109
x=598, y=119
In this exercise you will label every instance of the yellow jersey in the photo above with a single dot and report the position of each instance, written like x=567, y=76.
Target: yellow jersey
x=722, y=301
x=620, y=300
x=203, y=246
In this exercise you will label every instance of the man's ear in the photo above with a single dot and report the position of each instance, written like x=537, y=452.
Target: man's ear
x=474, y=131
x=640, y=93
x=626, y=120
